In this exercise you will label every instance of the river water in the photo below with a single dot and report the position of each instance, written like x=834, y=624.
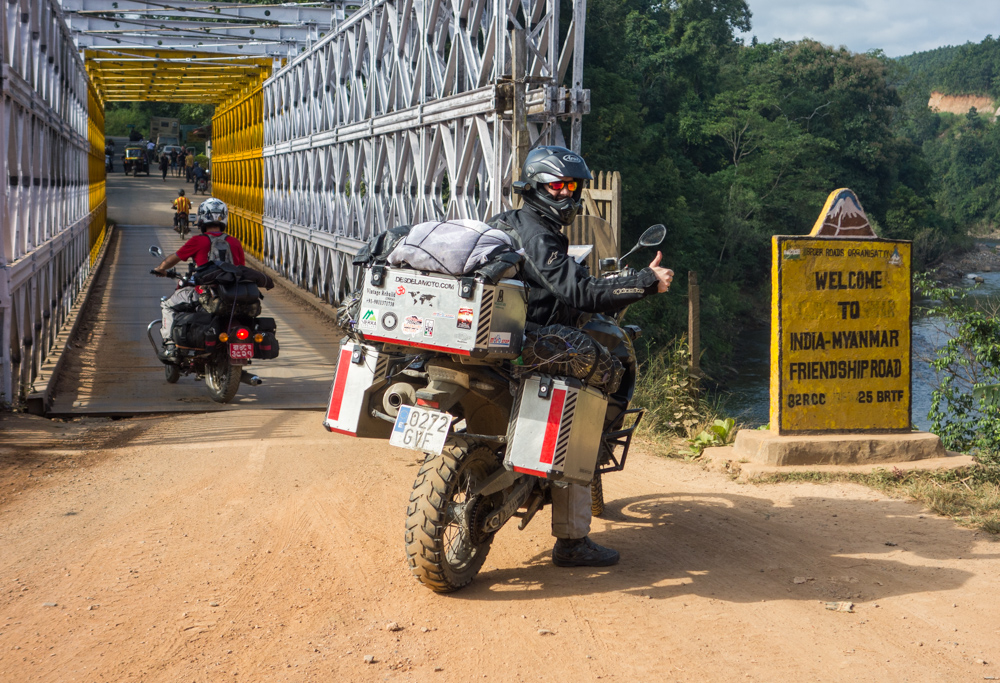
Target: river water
x=746, y=398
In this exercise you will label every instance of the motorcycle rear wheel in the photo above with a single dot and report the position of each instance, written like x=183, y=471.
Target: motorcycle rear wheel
x=222, y=380
x=597, y=495
x=443, y=552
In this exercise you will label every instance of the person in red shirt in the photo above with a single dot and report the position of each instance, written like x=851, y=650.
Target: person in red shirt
x=213, y=244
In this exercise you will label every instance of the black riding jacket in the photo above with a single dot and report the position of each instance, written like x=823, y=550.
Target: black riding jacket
x=560, y=288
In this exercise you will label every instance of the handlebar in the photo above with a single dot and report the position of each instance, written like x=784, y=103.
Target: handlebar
x=170, y=273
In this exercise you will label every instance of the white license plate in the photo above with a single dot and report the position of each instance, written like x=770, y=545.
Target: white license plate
x=421, y=429
x=241, y=350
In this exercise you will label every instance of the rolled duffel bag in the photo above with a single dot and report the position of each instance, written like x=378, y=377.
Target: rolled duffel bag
x=190, y=329
x=239, y=293
x=568, y=352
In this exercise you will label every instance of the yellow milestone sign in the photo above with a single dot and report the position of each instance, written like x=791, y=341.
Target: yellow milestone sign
x=840, y=335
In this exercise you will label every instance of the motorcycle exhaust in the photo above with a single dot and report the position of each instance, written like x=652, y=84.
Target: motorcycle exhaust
x=252, y=380
x=400, y=393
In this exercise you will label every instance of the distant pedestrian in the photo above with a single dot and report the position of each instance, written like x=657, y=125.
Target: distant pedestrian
x=189, y=166
x=173, y=162
x=164, y=165
x=181, y=162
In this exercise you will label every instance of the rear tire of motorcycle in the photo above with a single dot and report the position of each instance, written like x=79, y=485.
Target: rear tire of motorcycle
x=223, y=381
x=441, y=563
x=172, y=373
x=597, y=495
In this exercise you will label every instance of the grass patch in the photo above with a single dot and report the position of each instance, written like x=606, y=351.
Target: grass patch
x=970, y=496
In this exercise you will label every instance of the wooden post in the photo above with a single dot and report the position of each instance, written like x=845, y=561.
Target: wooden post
x=694, y=323
x=521, y=141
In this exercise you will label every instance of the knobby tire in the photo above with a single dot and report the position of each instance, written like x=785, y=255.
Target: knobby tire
x=441, y=555
x=597, y=495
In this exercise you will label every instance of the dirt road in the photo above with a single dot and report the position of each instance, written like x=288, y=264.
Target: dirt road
x=257, y=547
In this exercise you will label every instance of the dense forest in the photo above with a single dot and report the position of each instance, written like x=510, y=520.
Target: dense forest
x=729, y=143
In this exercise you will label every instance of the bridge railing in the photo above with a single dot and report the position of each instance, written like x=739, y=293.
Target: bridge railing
x=52, y=207
x=403, y=114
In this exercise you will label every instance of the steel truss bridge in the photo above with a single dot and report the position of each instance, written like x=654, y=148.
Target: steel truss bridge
x=333, y=122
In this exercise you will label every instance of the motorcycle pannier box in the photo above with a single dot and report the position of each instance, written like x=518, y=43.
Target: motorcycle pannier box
x=555, y=429
x=359, y=368
x=443, y=313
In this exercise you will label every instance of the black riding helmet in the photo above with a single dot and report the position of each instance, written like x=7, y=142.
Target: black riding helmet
x=547, y=165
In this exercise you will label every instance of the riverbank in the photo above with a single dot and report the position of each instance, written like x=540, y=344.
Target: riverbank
x=984, y=257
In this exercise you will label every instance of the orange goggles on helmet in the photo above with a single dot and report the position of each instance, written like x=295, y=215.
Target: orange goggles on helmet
x=570, y=185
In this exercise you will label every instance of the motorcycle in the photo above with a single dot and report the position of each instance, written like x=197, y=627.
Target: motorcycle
x=218, y=336
x=201, y=184
x=182, y=222
x=497, y=432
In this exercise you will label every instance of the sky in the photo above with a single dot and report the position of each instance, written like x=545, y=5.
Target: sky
x=898, y=27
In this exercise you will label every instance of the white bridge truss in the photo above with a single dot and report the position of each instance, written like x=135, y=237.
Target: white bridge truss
x=403, y=114
x=52, y=203
x=278, y=31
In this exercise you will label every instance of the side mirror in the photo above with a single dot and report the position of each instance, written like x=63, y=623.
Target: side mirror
x=156, y=251
x=653, y=236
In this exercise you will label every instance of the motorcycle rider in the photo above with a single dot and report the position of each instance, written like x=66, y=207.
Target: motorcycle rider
x=213, y=218
x=182, y=207
x=551, y=187
x=198, y=173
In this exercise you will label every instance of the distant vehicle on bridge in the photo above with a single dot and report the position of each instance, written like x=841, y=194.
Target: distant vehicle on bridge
x=135, y=161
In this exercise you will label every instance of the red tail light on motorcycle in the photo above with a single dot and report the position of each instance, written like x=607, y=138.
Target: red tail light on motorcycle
x=223, y=337
x=242, y=334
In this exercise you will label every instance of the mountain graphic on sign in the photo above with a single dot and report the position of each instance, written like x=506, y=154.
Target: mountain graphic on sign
x=842, y=216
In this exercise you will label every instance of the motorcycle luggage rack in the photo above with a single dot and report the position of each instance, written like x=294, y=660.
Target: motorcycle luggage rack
x=620, y=437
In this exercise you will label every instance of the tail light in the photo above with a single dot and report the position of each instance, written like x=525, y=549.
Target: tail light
x=242, y=333
x=258, y=337
x=223, y=337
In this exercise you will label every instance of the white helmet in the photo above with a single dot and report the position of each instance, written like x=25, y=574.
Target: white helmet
x=213, y=211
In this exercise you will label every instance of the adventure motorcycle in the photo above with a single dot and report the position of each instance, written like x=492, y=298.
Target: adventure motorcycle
x=499, y=426
x=220, y=334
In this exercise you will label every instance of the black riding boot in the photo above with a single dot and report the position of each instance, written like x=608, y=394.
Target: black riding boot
x=582, y=552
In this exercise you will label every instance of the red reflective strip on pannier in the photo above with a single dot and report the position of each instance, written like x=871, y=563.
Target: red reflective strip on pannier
x=552, y=426
x=339, y=382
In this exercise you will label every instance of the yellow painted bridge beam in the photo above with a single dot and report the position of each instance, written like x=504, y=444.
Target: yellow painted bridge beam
x=238, y=165
x=170, y=75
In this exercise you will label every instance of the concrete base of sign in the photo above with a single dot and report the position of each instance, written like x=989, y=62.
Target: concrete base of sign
x=767, y=448
x=724, y=460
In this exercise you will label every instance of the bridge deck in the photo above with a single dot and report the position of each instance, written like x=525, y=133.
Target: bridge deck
x=112, y=369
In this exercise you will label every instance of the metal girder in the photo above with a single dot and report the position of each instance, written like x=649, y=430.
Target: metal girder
x=324, y=16
x=403, y=114
x=52, y=206
x=288, y=35
x=173, y=75
x=223, y=45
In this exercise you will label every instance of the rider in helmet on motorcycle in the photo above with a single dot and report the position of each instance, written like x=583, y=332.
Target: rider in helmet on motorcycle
x=213, y=218
x=551, y=187
x=182, y=207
